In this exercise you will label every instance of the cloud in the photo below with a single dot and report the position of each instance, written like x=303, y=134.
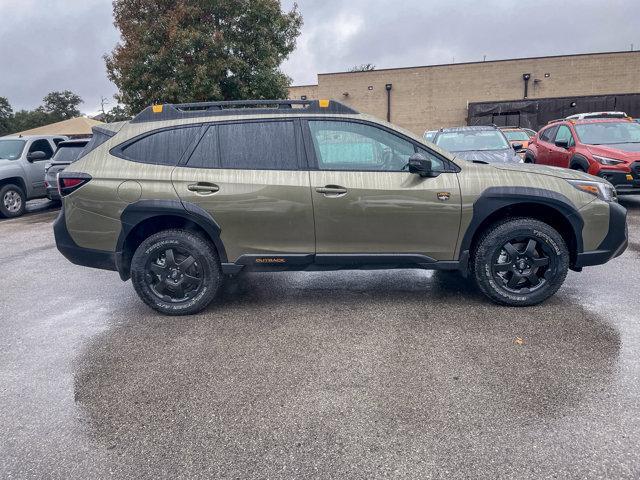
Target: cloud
x=59, y=44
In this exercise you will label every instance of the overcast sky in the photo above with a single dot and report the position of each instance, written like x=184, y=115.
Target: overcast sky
x=50, y=45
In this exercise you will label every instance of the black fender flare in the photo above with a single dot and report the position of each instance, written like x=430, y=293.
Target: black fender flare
x=581, y=160
x=496, y=198
x=528, y=154
x=142, y=210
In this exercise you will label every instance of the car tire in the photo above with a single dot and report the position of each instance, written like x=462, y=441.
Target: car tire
x=520, y=262
x=176, y=272
x=13, y=201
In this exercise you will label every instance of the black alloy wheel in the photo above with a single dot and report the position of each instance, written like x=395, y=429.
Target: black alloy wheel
x=174, y=275
x=522, y=265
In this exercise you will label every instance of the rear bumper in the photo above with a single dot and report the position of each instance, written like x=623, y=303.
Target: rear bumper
x=52, y=194
x=613, y=245
x=76, y=254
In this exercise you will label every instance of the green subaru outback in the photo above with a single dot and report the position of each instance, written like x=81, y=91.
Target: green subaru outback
x=183, y=195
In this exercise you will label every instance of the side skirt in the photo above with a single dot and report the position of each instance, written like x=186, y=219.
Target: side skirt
x=332, y=262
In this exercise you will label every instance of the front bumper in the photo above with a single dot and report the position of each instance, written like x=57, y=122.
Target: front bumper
x=620, y=180
x=85, y=257
x=613, y=245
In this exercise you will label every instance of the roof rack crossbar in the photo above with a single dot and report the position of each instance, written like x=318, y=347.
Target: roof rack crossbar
x=238, y=107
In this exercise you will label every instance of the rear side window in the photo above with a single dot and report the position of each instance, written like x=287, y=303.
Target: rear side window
x=205, y=154
x=258, y=146
x=548, y=134
x=164, y=147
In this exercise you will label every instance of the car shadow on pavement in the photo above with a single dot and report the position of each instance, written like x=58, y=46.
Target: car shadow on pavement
x=341, y=371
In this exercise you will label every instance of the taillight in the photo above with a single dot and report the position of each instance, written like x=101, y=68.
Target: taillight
x=70, y=182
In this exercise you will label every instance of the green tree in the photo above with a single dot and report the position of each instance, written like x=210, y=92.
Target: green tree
x=61, y=105
x=198, y=50
x=27, y=119
x=117, y=114
x=6, y=115
x=367, y=67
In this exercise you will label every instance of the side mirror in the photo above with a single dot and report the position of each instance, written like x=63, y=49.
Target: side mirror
x=419, y=165
x=35, y=156
x=517, y=146
x=562, y=143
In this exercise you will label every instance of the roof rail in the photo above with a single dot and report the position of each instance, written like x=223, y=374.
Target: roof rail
x=171, y=111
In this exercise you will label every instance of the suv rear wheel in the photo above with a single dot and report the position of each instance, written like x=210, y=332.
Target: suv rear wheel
x=176, y=272
x=520, y=262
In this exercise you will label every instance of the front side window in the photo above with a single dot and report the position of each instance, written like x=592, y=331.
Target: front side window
x=604, y=133
x=472, y=140
x=11, y=149
x=42, y=146
x=564, y=134
x=356, y=146
x=258, y=145
x=164, y=147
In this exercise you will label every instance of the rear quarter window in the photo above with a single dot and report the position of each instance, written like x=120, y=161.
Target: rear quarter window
x=164, y=147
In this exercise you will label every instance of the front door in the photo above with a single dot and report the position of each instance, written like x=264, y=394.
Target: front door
x=249, y=177
x=35, y=168
x=366, y=203
x=560, y=156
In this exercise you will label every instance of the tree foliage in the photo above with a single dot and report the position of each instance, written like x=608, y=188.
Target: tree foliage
x=62, y=105
x=56, y=106
x=199, y=50
x=117, y=114
x=6, y=114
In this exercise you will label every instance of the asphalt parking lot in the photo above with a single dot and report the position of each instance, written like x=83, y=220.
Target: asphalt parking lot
x=403, y=374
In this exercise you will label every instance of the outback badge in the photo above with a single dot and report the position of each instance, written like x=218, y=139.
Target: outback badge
x=444, y=196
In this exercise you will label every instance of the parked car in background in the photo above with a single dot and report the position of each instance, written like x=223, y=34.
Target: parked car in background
x=429, y=135
x=185, y=194
x=486, y=144
x=584, y=116
x=531, y=133
x=22, y=162
x=517, y=135
x=607, y=148
x=68, y=152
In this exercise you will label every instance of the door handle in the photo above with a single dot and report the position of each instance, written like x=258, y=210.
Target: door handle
x=203, y=187
x=332, y=191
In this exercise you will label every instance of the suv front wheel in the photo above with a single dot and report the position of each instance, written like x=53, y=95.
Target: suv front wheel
x=176, y=272
x=520, y=262
x=12, y=201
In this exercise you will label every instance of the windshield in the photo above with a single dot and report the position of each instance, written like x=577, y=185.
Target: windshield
x=608, y=133
x=11, y=149
x=472, y=140
x=516, y=135
x=68, y=154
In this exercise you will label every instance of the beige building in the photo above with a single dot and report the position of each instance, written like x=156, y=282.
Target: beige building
x=430, y=97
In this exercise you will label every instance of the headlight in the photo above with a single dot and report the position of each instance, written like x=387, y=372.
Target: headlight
x=604, y=191
x=607, y=161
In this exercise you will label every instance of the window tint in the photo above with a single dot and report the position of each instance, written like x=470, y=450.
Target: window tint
x=205, y=154
x=42, y=146
x=564, y=134
x=67, y=153
x=165, y=147
x=97, y=139
x=548, y=134
x=356, y=146
x=258, y=145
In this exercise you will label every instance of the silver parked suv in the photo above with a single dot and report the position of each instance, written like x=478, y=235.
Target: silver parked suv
x=22, y=162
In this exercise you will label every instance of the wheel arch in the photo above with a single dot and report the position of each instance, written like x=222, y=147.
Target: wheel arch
x=579, y=160
x=146, y=217
x=500, y=203
x=15, y=181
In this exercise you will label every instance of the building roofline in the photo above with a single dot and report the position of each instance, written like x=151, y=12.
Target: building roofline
x=478, y=62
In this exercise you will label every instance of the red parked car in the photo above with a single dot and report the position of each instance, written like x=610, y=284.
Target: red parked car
x=607, y=148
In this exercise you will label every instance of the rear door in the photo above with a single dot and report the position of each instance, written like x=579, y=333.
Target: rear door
x=35, y=168
x=251, y=177
x=543, y=153
x=365, y=201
